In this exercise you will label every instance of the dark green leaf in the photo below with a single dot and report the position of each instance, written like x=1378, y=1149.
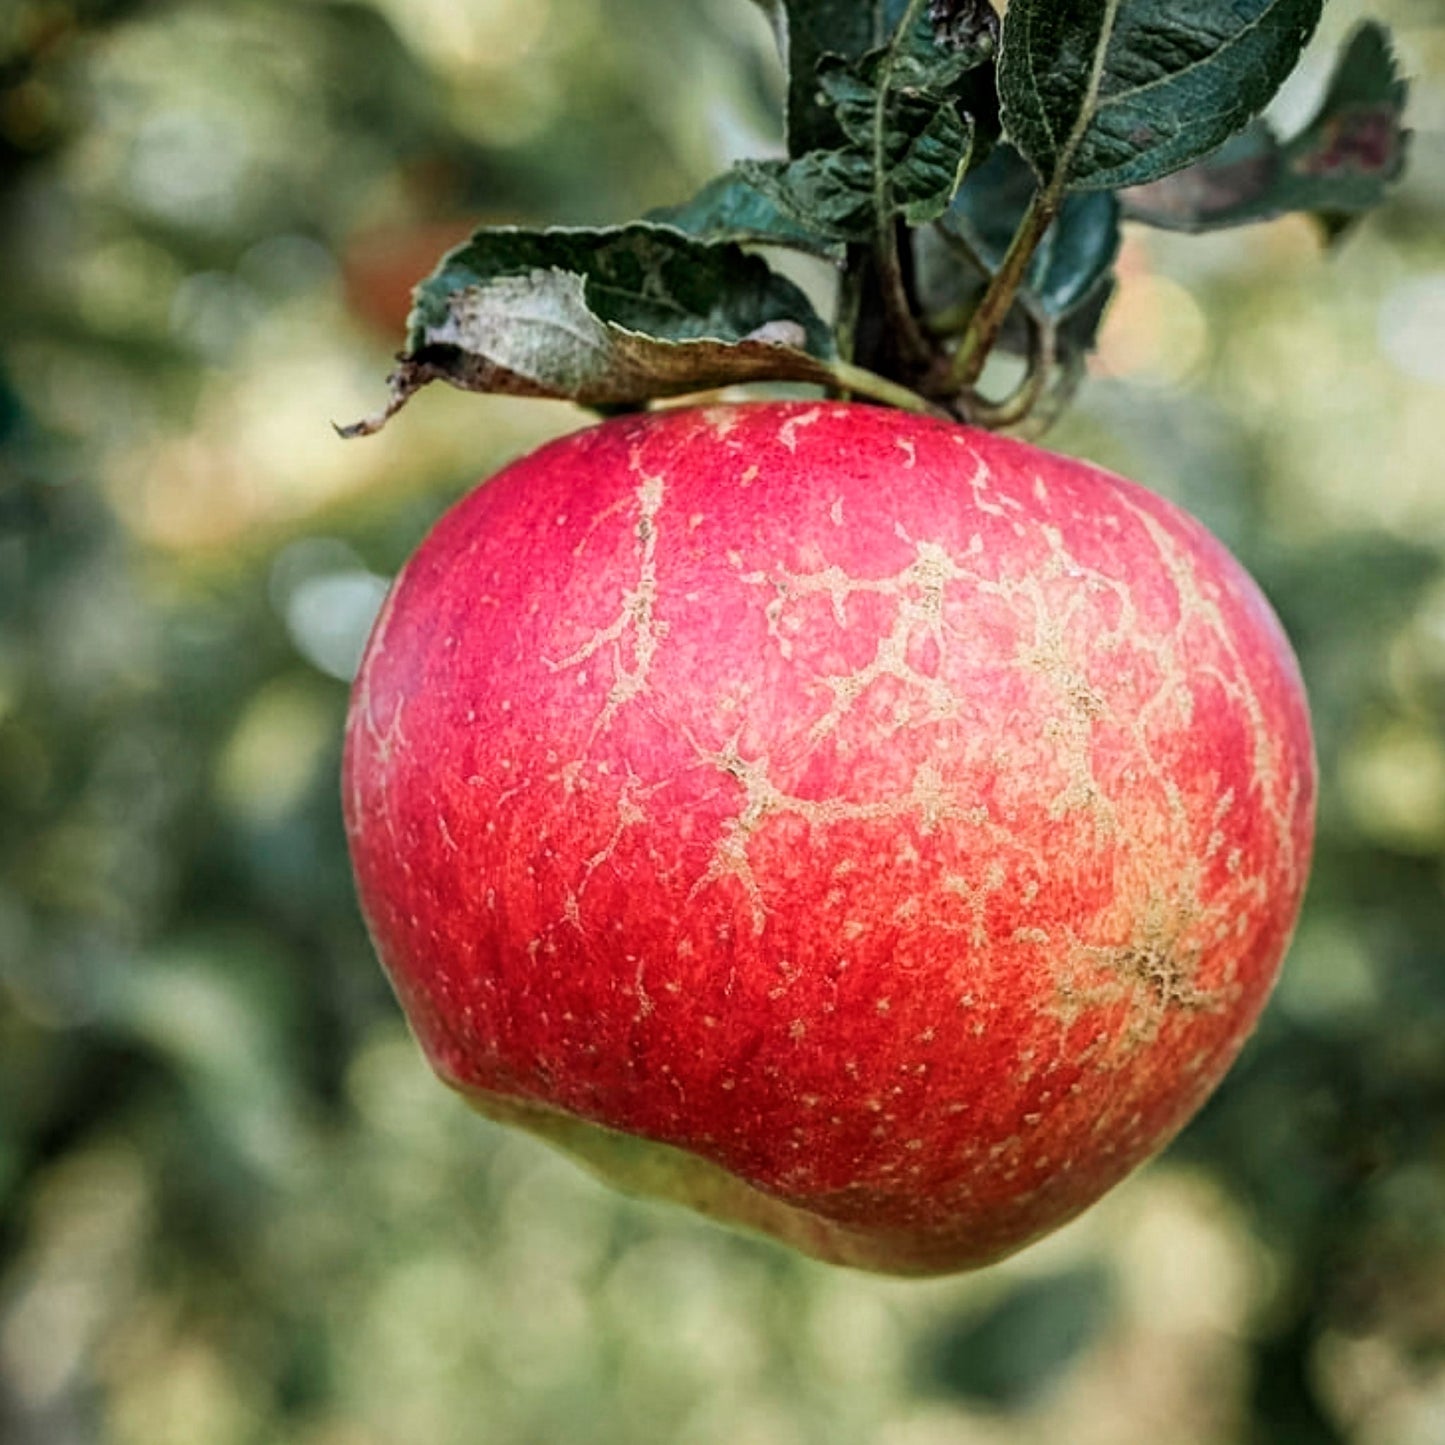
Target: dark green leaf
x=605, y=318
x=1338, y=166
x=947, y=279
x=808, y=30
x=1223, y=189
x=1069, y=280
x=904, y=141
x=947, y=40
x=1077, y=251
x=849, y=89
x=1078, y=332
x=925, y=174
x=1100, y=94
x=951, y=284
x=1367, y=73
x=732, y=207
x=828, y=192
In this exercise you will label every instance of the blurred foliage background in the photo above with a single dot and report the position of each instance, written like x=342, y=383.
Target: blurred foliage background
x=234, y=1207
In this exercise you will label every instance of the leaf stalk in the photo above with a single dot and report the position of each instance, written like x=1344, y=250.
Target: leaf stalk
x=998, y=298
x=859, y=381
x=912, y=344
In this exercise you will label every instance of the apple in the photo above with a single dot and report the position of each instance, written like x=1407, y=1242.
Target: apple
x=866, y=830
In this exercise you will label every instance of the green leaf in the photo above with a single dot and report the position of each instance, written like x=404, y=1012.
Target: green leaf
x=1338, y=166
x=946, y=40
x=1077, y=251
x=828, y=192
x=1101, y=94
x=904, y=141
x=926, y=174
x=808, y=30
x=649, y=279
x=733, y=207
x=607, y=318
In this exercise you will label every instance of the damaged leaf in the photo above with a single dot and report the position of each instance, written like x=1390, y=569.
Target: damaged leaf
x=1338, y=166
x=732, y=207
x=905, y=140
x=606, y=318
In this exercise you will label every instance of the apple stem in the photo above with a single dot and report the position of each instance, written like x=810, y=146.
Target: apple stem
x=987, y=321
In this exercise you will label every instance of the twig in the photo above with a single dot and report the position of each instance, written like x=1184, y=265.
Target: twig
x=988, y=319
x=1019, y=404
x=912, y=345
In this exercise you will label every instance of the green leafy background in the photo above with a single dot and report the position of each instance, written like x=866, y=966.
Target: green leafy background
x=234, y=1207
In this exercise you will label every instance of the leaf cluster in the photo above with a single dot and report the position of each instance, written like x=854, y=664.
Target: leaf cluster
x=967, y=177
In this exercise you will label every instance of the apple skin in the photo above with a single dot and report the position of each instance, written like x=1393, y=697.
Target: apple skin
x=866, y=830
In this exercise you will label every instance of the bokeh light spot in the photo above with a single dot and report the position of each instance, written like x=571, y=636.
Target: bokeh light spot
x=1411, y=327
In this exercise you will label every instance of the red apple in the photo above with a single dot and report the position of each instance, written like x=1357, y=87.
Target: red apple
x=864, y=829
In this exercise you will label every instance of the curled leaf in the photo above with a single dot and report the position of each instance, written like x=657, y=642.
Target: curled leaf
x=735, y=206
x=607, y=318
x=807, y=30
x=904, y=138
